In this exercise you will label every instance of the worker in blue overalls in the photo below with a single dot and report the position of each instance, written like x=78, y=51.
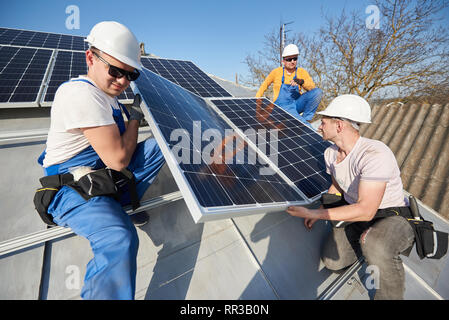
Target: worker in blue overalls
x=293, y=88
x=88, y=132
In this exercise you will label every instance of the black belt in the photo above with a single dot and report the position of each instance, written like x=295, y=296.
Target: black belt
x=430, y=243
x=102, y=182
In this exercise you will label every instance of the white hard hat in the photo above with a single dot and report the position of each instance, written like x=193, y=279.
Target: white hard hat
x=116, y=40
x=290, y=50
x=349, y=106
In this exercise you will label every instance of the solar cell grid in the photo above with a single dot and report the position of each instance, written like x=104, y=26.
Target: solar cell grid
x=126, y=95
x=187, y=75
x=21, y=73
x=229, y=183
x=300, y=150
x=68, y=64
x=28, y=38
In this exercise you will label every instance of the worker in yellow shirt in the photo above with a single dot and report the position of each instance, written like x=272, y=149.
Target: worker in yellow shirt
x=293, y=88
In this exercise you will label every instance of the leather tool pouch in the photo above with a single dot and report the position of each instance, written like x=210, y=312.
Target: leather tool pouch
x=42, y=200
x=430, y=243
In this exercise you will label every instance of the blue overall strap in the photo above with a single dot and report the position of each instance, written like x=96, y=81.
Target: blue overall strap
x=124, y=109
x=283, y=70
x=118, y=118
x=81, y=80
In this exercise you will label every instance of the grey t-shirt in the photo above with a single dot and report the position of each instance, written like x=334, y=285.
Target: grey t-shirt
x=369, y=160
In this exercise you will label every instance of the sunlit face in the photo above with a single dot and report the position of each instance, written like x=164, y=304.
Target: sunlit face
x=98, y=71
x=328, y=128
x=290, y=61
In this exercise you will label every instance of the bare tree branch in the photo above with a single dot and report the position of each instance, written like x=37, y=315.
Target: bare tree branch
x=408, y=54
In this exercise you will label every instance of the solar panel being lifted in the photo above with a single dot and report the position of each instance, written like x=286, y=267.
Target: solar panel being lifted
x=219, y=173
x=22, y=71
x=300, y=150
x=187, y=75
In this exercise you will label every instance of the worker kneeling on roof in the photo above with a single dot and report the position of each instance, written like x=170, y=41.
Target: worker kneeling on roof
x=366, y=173
x=293, y=88
x=88, y=133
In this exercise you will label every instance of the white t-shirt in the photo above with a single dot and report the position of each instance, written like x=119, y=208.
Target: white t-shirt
x=368, y=160
x=76, y=105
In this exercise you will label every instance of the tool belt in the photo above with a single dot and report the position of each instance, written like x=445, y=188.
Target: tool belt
x=102, y=182
x=430, y=243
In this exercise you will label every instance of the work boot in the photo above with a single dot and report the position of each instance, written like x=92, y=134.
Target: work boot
x=140, y=219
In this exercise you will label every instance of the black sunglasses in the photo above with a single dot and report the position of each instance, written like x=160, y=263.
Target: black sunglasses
x=117, y=72
x=290, y=59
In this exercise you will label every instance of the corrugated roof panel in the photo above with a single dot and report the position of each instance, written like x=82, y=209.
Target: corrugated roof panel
x=407, y=144
x=384, y=122
x=428, y=144
x=418, y=135
x=418, y=157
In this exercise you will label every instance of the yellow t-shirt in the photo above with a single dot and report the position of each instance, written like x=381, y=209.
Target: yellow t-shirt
x=275, y=77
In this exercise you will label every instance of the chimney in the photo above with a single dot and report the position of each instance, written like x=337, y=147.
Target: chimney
x=142, y=49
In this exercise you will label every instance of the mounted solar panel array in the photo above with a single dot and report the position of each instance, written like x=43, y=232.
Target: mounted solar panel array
x=68, y=64
x=187, y=75
x=220, y=171
x=22, y=72
x=66, y=60
x=25, y=38
x=34, y=64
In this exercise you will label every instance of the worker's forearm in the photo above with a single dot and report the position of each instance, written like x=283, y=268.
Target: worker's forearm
x=261, y=91
x=352, y=212
x=264, y=86
x=308, y=82
x=129, y=141
x=308, y=85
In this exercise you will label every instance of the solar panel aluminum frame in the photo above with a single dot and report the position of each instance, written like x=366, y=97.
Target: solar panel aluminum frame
x=249, y=141
x=199, y=213
x=126, y=101
x=36, y=102
x=45, y=85
x=46, y=82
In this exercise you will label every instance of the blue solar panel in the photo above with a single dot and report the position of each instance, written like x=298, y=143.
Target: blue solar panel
x=68, y=64
x=16, y=37
x=299, y=149
x=126, y=96
x=22, y=71
x=187, y=75
x=231, y=182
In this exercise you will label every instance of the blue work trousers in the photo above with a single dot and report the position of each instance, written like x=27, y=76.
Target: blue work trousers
x=111, y=274
x=303, y=108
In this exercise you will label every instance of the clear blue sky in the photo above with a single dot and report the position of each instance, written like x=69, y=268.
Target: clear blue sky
x=215, y=34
